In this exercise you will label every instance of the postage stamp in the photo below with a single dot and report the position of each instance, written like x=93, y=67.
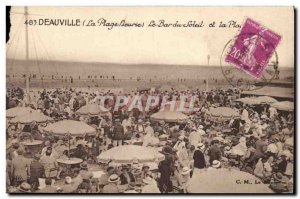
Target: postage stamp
x=253, y=48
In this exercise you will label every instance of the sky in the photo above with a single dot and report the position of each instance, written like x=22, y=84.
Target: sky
x=180, y=46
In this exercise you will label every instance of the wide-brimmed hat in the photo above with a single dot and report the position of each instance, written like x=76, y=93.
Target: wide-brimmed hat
x=200, y=127
x=60, y=142
x=125, y=166
x=113, y=178
x=83, y=165
x=201, y=146
x=166, y=150
x=216, y=164
x=185, y=171
x=227, y=148
x=24, y=188
x=68, y=179
x=278, y=176
x=37, y=156
x=145, y=165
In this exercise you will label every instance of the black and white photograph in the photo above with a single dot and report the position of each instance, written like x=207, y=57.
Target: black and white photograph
x=150, y=100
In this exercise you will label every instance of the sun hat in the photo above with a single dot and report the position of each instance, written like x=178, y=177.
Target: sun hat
x=83, y=165
x=145, y=165
x=201, y=146
x=68, y=179
x=24, y=187
x=216, y=164
x=278, y=176
x=113, y=178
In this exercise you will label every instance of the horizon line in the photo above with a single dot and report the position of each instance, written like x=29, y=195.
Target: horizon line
x=99, y=62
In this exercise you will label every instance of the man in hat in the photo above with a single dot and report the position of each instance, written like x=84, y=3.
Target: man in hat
x=126, y=177
x=279, y=183
x=165, y=168
x=20, y=168
x=183, y=178
x=118, y=133
x=49, y=163
x=214, y=151
x=140, y=128
x=36, y=171
x=199, y=158
x=148, y=129
x=146, y=171
x=104, y=178
x=112, y=186
x=80, y=152
x=260, y=148
x=180, y=143
x=195, y=137
x=282, y=165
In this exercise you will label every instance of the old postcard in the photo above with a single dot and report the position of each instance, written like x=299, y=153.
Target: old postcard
x=150, y=100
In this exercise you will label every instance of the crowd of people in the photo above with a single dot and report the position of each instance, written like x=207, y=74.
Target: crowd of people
x=259, y=142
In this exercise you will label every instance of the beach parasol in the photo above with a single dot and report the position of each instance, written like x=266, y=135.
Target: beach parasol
x=284, y=106
x=265, y=100
x=17, y=111
x=128, y=153
x=70, y=127
x=226, y=181
x=223, y=113
x=169, y=116
x=91, y=109
x=32, y=116
x=257, y=100
x=247, y=100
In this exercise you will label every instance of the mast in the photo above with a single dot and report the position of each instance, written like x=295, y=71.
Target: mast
x=27, y=52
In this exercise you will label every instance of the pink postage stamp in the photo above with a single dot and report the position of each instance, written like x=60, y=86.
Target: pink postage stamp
x=252, y=48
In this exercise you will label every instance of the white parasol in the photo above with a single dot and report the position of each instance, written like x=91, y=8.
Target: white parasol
x=71, y=127
x=284, y=106
x=91, y=109
x=223, y=113
x=17, y=111
x=128, y=153
x=257, y=100
x=32, y=116
x=169, y=116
